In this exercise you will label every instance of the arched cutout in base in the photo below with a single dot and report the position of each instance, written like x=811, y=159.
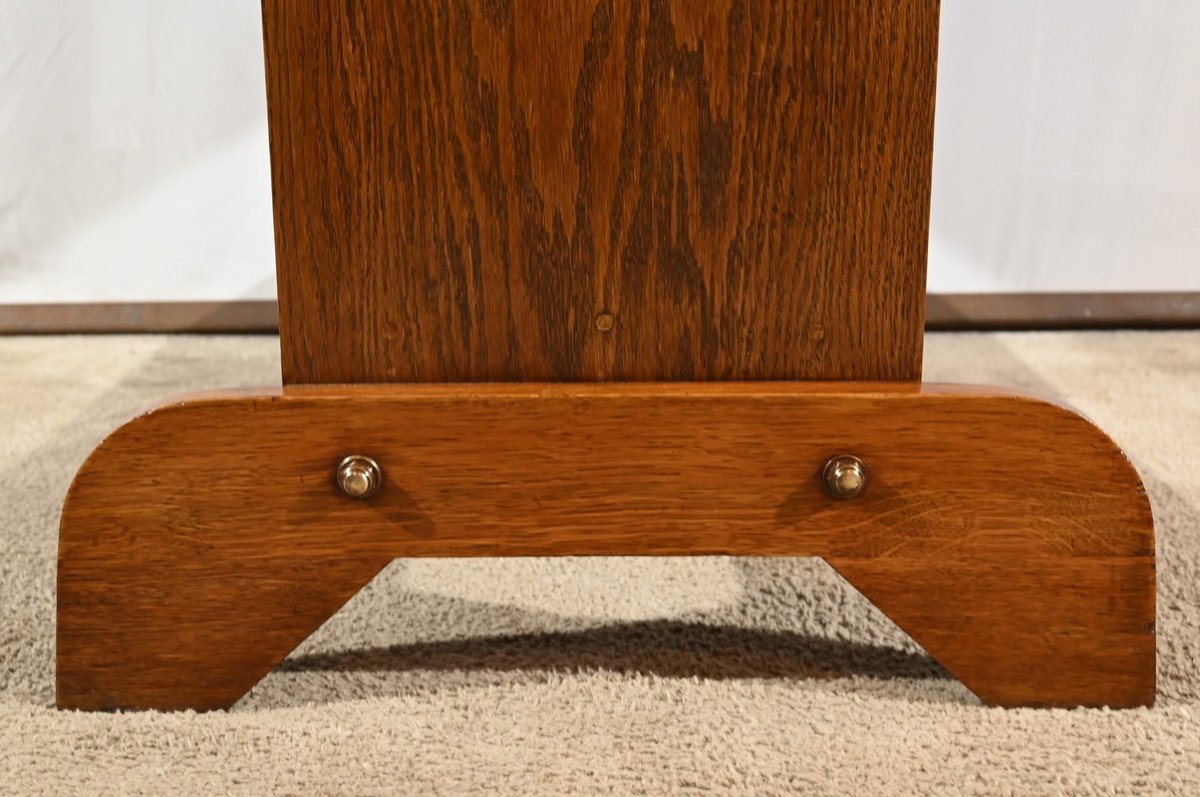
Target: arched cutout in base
x=202, y=542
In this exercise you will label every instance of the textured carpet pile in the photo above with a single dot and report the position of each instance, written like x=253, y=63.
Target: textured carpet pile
x=595, y=675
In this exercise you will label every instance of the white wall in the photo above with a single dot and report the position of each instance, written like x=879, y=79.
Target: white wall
x=1067, y=149
x=133, y=153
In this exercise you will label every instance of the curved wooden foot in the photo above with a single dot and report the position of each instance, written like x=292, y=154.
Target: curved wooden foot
x=202, y=542
x=1025, y=631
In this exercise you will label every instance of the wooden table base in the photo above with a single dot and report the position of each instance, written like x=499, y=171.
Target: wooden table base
x=205, y=540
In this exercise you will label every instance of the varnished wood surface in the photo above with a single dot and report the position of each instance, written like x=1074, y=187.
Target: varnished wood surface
x=601, y=190
x=202, y=542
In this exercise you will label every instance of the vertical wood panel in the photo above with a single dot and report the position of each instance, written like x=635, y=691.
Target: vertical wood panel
x=521, y=190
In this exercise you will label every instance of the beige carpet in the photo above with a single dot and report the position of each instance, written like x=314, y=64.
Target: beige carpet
x=606, y=675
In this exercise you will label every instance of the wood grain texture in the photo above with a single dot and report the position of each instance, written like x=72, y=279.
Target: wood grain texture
x=203, y=541
x=592, y=190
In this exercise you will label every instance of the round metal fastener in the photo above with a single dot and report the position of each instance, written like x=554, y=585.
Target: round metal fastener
x=845, y=476
x=359, y=477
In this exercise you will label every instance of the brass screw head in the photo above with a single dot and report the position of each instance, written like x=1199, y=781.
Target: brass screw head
x=845, y=476
x=359, y=477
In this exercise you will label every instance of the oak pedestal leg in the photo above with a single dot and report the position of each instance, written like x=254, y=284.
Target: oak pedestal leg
x=203, y=541
x=603, y=192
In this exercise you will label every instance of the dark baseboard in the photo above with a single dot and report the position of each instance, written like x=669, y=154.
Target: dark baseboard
x=974, y=311
x=233, y=317
x=1018, y=311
